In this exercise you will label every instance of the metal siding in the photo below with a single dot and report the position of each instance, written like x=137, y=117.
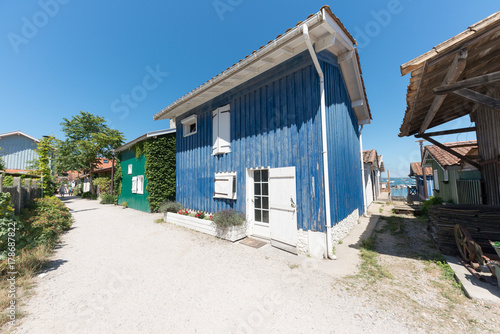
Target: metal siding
x=17, y=151
x=275, y=122
x=344, y=164
x=134, y=201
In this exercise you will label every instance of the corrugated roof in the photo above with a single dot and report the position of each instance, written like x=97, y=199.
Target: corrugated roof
x=370, y=156
x=144, y=137
x=19, y=133
x=446, y=159
x=257, y=55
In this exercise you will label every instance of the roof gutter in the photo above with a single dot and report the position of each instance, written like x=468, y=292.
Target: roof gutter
x=307, y=38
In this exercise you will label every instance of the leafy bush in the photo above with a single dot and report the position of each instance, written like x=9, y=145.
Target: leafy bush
x=124, y=204
x=76, y=191
x=89, y=195
x=109, y=199
x=104, y=184
x=183, y=212
x=10, y=227
x=171, y=206
x=431, y=201
x=8, y=180
x=227, y=218
x=45, y=219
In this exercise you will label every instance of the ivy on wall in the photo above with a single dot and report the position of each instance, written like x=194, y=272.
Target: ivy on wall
x=160, y=170
x=118, y=176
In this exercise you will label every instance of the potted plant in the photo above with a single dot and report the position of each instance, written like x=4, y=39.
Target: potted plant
x=229, y=224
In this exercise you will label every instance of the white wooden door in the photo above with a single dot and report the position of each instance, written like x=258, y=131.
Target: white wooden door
x=282, y=208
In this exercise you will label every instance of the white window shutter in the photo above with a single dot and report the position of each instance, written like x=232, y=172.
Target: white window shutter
x=436, y=180
x=215, y=133
x=223, y=186
x=140, y=184
x=224, y=129
x=134, y=185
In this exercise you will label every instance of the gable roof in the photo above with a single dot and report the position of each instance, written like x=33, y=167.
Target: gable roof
x=445, y=159
x=145, y=136
x=327, y=33
x=370, y=156
x=428, y=71
x=18, y=133
x=416, y=169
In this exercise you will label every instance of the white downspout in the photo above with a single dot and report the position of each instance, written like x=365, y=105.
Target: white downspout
x=329, y=249
x=362, y=169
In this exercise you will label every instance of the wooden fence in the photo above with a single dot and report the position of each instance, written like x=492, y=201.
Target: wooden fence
x=482, y=222
x=21, y=195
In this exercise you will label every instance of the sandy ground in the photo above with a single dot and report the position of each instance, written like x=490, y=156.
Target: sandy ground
x=117, y=271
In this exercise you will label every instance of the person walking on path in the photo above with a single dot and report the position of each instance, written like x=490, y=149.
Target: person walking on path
x=62, y=190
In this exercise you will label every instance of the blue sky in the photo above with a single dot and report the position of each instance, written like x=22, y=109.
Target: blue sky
x=58, y=57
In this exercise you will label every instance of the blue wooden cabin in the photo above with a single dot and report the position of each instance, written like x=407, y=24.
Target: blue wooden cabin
x=259, y=138
x=17, y=150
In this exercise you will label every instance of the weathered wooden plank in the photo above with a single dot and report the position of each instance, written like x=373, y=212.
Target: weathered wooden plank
x=468, y=83
x=478, y=98
x=454, y=71
x=447, y=132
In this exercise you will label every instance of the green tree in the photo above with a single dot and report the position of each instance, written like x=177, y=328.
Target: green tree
x=2, y=164
x=88, y=138
x=45, y=151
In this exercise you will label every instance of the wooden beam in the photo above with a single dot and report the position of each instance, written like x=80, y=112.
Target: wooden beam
x=477, y=81
x=478, y=98
x=447, y=132
x=456, y=68
x=449, y=150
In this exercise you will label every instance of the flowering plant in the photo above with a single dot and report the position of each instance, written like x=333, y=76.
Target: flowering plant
x=200, y=215
x=183, y=212
x=211, y=217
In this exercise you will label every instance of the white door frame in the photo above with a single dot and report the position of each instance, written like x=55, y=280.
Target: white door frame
x=257, y=229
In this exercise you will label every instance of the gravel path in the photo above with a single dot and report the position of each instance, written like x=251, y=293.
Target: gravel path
x=119, y=272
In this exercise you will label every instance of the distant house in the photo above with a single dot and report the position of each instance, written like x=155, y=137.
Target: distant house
x=134, y=188
x=103, y=169
x=17, y=150
x=373, y=167
x=453, y=179
x=417, y=174
x=259, y=138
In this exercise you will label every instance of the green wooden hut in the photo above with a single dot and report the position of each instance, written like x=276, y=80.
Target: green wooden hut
x=147, y=166
x=454, y=180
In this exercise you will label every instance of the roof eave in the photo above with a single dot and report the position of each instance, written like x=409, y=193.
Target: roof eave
x=335, y=38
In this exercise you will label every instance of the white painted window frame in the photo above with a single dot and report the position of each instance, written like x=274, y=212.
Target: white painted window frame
x=220, y=184
x=186, y=125
x=140, y=185
x=134, y=185
x=129, y=169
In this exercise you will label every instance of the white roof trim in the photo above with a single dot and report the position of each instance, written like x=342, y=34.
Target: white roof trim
x=19, y=133
x=327, y=34
x=144, y=137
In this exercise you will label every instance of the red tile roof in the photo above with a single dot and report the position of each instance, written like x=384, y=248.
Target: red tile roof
x=447, y=159
x=370, y=156
x=416, y=169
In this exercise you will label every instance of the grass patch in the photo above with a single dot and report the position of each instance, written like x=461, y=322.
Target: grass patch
x=293, y=265
x=341, y=242
x=159, y=221
x=370, y=268
x=394, y=225
x=28, y=262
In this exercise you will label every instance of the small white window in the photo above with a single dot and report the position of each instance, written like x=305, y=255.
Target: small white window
x=140, y=184
x=225, y=185
x=130, y=169
x=445, y=175
x=190, y=125
x=436, y=180
x=221, y=121
x=134, y=185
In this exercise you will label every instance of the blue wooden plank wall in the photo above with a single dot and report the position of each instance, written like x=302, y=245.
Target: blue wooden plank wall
x=344, y=164
x=17, y=151
x=275, y=122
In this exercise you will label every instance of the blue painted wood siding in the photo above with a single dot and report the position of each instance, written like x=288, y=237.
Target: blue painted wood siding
x=17, y=151
x=344, y=162
x=275, y=122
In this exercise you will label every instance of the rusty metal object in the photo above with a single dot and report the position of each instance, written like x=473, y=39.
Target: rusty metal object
x=464, y=243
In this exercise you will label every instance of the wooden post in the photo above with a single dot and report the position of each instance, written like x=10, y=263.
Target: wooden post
x=423, y=168
x=19, y=190
x=389, y=185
